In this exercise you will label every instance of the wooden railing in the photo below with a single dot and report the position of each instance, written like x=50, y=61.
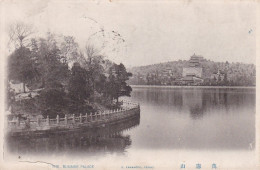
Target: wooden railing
x=128, y=109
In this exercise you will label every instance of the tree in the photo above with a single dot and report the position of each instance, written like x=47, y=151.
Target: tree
x=93, y=63
x=112, y=86
x=100, y=84
x=225, y=79
x=10, y=96
x=19, y=34
x=69, y=49
x=78, y=89
x=52, y=102
x=96, y=71
x=51, y=65
x=78, y=85
x=91, y=52
x=20, y=66
x=34, y=47
x=117, y=80
x=219, y=78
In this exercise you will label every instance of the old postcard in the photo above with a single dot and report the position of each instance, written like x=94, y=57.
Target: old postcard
x=129, y=84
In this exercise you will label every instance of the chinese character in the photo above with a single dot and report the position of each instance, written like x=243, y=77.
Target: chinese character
x=198, y=166
x=55, y=166
x=183, y=166
x=214, y=166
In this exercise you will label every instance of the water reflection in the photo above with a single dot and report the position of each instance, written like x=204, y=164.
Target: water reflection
x=195, y=118
x=172, y=118
x=198, y=100
x=107, y=139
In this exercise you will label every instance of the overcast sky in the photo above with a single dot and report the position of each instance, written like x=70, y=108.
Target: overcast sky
x=149, y=32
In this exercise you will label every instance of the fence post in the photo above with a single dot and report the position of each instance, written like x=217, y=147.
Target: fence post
x=47, y=121
x=91, y=116
x=80, y=118
x=17, y=121
x=28, y=122
x=66, y=119
x=58, y=119
x=38, y=121
x=73, y=118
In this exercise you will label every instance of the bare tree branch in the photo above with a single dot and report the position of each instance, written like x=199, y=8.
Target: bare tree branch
x=92, y=51
x=19, y=33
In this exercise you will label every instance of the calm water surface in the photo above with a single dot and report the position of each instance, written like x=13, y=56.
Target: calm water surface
x=170, y=118
x=195, y=118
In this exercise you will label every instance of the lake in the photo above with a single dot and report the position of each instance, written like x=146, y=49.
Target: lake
x=195, y=118
x=170, y=119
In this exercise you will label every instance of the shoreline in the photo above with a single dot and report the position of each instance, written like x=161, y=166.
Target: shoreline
x=67, y=124
x=220, y=87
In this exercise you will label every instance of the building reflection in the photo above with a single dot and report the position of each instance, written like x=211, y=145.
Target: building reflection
x=198, y=101
x=201, y=101
x=102, y=140
x=193, y=100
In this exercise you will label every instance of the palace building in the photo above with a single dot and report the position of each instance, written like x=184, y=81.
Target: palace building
x=192, y=73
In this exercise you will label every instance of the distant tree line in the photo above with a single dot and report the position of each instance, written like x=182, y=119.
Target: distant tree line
x=71, y=81
x=235, y=74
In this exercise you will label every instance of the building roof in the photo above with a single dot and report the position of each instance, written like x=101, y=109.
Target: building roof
x=195, y=60
x=196, y=56
x=197, y=78
x=187, y=79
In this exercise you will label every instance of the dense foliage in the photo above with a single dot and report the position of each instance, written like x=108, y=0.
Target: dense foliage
x=236, y=74
x=67, y=80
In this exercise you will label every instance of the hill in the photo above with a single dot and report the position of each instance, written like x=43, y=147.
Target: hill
x=170, y=73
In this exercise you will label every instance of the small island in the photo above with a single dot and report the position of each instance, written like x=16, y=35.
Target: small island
x=53, y=85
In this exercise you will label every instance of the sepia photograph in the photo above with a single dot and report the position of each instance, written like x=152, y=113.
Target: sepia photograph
x=129, y=84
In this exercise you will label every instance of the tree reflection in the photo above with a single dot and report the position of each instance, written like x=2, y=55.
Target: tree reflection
x=108, y=139
x=201, y=101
